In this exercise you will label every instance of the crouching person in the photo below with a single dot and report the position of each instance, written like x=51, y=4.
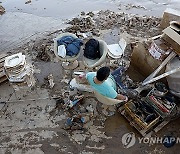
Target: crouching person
x=103, y=82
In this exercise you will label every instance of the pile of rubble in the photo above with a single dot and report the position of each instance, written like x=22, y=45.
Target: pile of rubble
x=92, y=24
x=146, y=26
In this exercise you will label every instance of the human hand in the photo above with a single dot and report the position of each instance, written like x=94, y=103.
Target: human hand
x=126, y=99
x=82, y=76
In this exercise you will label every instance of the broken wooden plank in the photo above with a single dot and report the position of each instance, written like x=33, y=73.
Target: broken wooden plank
x=160, y=126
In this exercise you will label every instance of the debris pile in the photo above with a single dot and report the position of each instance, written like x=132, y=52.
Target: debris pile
x=90, y=24
x=42, y=52
x=146, y=26
x=82, y=24
x=18, y=70
x=40, y=49
x=80, y=112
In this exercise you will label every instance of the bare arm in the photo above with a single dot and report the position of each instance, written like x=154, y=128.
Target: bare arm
x=122, y=97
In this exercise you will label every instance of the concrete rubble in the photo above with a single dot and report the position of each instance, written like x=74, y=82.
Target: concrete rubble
x=107, y=20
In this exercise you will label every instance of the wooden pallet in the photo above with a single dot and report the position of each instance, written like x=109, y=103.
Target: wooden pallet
x=146, y=132
x=2, y=74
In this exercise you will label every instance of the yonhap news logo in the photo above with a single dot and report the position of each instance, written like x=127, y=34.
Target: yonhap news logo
x=129, y=139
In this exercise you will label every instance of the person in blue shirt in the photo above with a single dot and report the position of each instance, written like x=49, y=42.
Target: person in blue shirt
x=103, y=82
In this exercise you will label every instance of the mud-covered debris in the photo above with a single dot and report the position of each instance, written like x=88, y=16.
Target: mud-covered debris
x=42, y=52
x=77, y=121
x=82, y=24
x=71, y=103
x=27, y=2
x=65, y=81
x=128, y=82
x=144, y=26
x=130, y=6
x=46, y=83
x=51, y=80
x=59, y=102
x=2, y=10
x=40, y=49
x=58, y=107
x=91, y=14
x=119, y=62
x=96, y=32
x=83, y=13
x=90, y=108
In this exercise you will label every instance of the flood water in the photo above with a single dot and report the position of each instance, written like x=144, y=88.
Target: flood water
x=26, y=18
x=69, y=8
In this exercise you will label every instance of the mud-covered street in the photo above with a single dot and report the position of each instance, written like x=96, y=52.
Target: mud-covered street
x=34, y=121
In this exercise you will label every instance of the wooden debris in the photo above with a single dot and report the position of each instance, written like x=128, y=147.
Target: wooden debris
x=2, y=74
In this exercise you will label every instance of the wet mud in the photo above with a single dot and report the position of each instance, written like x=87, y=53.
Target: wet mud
x=37, y=126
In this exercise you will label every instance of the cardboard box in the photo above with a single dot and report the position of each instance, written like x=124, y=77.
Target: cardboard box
x=173, y=38
x=143, y=62
x=159, y=49
x=168, y=16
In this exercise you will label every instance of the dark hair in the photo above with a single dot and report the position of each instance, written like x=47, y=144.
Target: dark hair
x=103, y=73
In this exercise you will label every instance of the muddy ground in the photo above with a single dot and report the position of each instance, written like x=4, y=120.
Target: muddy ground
x=33, y=122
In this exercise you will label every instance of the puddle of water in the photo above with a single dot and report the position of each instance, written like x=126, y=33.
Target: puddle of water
x=117, y=122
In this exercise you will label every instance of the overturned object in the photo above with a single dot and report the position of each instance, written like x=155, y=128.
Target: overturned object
x=18, y=70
